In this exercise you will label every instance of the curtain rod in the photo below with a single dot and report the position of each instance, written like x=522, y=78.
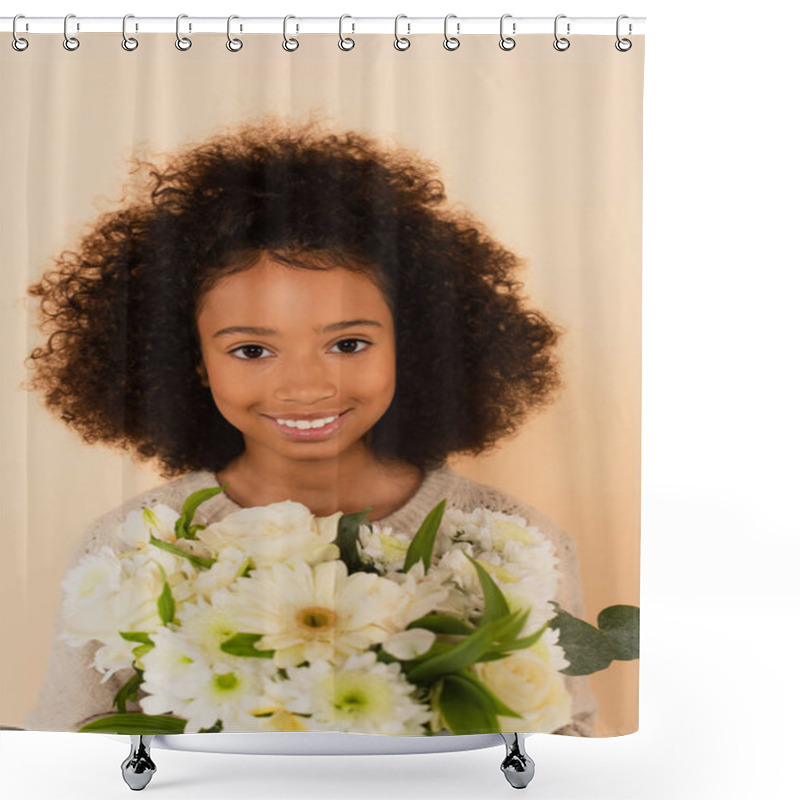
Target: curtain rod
x=407, y=26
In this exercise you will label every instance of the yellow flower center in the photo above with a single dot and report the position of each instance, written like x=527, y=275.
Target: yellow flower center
x=317, y=618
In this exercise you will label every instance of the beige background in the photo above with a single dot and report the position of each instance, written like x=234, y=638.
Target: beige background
x=544, y=147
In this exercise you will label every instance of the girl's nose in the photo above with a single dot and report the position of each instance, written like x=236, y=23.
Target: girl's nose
x=304, y=378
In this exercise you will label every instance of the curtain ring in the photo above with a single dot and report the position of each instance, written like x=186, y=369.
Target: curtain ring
x=234, y=45
x=128, y=42
x=181, y=42
x=289, y=44
x=561, y=44
x=345, y=43
x=18, y=43
x=623, y=45
x=451, y=42
x=400, y=42
x=70, y=42
x=506, y=42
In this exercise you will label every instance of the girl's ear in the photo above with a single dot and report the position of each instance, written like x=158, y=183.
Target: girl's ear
x=201, y=371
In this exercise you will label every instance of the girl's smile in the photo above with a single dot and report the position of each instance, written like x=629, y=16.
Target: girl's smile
x=308, y=430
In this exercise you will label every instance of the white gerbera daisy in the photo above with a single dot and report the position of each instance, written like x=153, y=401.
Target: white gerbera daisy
x=306, y=613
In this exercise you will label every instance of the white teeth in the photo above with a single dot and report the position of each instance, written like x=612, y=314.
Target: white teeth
x=303, y=424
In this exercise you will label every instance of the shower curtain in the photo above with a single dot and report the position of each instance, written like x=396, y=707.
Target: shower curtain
x=321, y=384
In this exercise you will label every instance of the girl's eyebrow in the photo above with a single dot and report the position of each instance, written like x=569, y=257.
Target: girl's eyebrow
x=336, y=326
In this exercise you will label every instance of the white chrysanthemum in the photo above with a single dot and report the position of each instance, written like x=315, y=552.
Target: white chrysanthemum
x=276, y=533
x=199, y=692
x=529, y=682
x=306, y=613
x=362, y=695
x=382, y=547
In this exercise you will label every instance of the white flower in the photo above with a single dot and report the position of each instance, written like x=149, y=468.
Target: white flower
x=306, y=613
x=530, y=683
x=382, y=547
x=362, y=695
x=159, y=520
x=198, y=691
x=275, y=533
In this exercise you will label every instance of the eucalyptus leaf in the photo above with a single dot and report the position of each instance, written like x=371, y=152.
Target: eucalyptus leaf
x=621, y=625
x=587, y=649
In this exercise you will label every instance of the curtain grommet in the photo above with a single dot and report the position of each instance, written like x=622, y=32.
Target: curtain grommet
x=451, y=43
x=70, y=43
x=289, y=44
x=128, y=42
x=400, y=42
x=345, y=42
x=623, y=45
x=17, y=42
x=233, y=44
x=182, y=42
x=560, y=43
x=507, y=42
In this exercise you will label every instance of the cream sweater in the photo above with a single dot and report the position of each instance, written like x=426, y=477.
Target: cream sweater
x=71, y=692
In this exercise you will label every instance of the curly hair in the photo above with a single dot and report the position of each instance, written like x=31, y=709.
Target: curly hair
x=120, y=361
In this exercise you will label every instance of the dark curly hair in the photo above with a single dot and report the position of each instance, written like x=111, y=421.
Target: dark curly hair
x=471, y=360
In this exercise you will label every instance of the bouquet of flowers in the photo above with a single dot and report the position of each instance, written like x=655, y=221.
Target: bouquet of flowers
x=272, y=619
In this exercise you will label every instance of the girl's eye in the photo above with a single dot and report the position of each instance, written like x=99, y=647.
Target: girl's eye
x=249, y=348
x=348, y=341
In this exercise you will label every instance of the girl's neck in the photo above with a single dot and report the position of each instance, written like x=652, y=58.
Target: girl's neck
x=348, y=484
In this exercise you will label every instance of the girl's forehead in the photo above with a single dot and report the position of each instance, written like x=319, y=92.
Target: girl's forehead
x=294, y=294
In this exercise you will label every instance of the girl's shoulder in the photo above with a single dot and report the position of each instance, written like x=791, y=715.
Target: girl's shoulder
x=172, y=493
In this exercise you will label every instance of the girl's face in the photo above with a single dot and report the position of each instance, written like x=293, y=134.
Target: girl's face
x=288, y=344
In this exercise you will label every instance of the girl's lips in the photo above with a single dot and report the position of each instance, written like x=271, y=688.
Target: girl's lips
x=311, y=433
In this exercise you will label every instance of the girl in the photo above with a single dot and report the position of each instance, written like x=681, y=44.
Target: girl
x=292, y=314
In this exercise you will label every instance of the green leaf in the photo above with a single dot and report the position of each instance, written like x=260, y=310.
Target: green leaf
x=587, y=649
x=465, y=708
x=495, y=604
x=242, y=645
x=442, y=623
x=166, y=602
x=346, y=538
x=136, y=636
x=621, y=625
x=499, y=706
x=132, y=724
x=128, y=691
x=457, y=657
x=421, y=546
x=503, y=649
x=183, y=527
x=198, y=561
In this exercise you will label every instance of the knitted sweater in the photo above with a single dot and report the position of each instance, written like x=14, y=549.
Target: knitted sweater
x=71, y=693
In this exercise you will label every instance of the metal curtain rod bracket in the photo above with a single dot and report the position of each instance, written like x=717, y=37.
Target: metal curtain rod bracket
x=466, y=25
